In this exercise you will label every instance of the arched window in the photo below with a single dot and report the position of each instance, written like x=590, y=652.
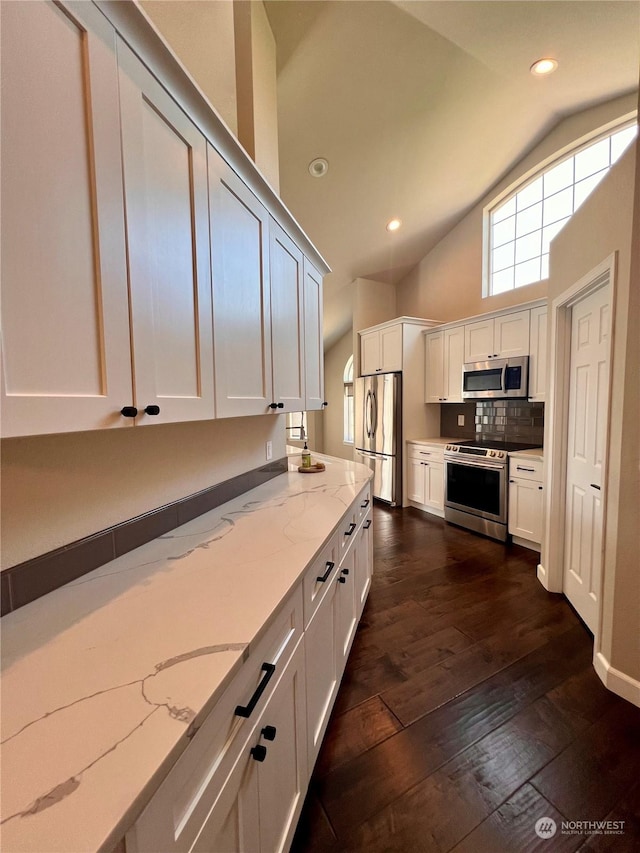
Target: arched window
x=348, y=402
x=522, y=225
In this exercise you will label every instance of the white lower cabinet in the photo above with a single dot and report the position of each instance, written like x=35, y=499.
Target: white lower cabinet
x=526, y=502
x=425, y=477
x=241, y=783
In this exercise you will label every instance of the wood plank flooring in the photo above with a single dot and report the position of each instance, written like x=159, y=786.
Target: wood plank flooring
x=469, y=709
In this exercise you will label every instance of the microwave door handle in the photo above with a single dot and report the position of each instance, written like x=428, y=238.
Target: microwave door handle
x=503, y=378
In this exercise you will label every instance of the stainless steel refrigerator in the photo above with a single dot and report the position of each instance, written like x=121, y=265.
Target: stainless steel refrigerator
x=379, y=432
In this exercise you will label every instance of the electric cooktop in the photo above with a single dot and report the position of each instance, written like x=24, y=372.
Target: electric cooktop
x=508, y=446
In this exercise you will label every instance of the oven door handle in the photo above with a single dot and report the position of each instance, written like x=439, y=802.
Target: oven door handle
x=473, y=463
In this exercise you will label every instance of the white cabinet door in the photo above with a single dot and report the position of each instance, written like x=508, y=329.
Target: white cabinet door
x=321, y=641
x=363, y=563
x=525, y=509
x=434, y=368
x=241, y=294
x=538, y=355
x=369, y=353
x=283, y=776
x=453, y=350
x=511, y=334
x=391, y=348
x=478, y=341
x=65, y=314
x=434, y=485
x=416, y=480
x=165, y=182
x=313, y=339
x=287, y=320
x=346, y=621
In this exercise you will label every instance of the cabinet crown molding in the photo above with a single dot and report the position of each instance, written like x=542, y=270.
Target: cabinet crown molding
x=409, y=321
x=512, y=309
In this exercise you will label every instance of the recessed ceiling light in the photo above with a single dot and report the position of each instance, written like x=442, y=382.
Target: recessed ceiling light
x=393, y=225
x=543, y=66
x=318, y=167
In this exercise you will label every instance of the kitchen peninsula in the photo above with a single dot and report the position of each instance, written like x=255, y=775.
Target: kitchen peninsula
x=109, y=679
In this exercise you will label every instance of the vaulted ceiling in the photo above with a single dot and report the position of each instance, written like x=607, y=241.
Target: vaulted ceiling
x=420, y=107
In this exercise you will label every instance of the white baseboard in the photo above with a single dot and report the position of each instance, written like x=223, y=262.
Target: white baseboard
x=616, y=681
x=541, y=574
x=526, y=543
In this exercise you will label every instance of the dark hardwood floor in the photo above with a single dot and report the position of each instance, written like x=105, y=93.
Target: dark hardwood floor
x=469, y=709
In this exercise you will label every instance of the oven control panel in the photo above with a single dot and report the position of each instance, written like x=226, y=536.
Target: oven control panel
x=476, y=451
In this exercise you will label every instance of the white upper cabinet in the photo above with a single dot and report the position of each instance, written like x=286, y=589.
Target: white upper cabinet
x=499, y=337
x=381, y=350
x=287, y=320
x=241, y=294
x=538, y=355
x=65, y=315
x=444, y=352
x=313, y=341
x=165, y=181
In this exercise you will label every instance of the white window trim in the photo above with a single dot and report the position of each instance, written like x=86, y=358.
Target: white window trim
x=569, y=150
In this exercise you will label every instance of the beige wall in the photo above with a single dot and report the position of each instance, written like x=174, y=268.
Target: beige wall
x=59, y=488
x=334, y=363
x=373, y=302
x=603, y=226
x=202, y=35
x=256, y=87
x=447, y=284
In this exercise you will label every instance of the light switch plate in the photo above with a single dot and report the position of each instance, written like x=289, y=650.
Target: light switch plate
x=460, y=420
x=269, y=450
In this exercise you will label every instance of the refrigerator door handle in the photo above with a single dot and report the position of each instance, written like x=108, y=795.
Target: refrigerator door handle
x=374, y=413
x=367, y=425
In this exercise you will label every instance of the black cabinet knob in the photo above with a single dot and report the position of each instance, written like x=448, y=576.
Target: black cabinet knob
x=342, y=580
x=345, y=571
x=269, y=732
x=325, y=403
x=281, y=405
x=128, y=412
x=259, y=752
x=152, y=410
x=273, y=405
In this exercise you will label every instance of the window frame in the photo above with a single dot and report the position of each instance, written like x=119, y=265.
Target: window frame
x=529, y=177
x=348, y=403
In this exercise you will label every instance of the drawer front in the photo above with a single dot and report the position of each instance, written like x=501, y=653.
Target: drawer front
x=364, y=503
x=426, y=452
x=525, y=469
x=176, y=811
x=319, y=578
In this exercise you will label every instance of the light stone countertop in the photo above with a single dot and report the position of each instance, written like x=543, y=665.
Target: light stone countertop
x=532, y=453
x=439, y=440
x=102, y=678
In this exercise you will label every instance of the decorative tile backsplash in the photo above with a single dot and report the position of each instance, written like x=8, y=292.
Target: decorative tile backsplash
x=510, y=420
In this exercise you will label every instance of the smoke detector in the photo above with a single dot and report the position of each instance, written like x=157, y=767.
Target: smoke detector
x=319, y=167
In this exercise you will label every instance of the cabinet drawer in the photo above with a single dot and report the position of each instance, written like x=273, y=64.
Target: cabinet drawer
x=426, y=452
x=347, y=528
x=364, y=503
x=319, y=578
x=525, y=469
x=185, y=797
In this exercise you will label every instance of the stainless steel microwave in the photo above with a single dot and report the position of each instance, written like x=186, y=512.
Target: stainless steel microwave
x=501, y=378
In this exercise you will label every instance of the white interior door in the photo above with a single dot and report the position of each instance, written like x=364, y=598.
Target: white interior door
x=586, y=442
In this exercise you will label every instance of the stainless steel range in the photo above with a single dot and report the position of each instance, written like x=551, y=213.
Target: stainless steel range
x=476, y=485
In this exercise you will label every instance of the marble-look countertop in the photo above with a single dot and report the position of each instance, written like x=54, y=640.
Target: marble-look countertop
x=532, y=453
x=438, y=441
x=102, y=678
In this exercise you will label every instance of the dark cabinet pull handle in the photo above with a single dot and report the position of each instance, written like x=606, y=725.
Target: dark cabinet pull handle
x=269, y=732
x=345, y=572
x=342, y=580
x=281, y=405
x=367, y=524
x=259, y=752
x=247, y=710
x=540, y=488
x=593, y=486
x=324, y=577
x=352, y=527
x=273, y=405
x=365, y=504
x=152, y=410
x=522, y=468
x=129, y=412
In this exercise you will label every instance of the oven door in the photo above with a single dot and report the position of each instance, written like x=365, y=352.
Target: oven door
x=477, y=488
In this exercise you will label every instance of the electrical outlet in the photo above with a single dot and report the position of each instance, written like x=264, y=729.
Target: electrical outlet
x=269, y=450
x=460, y=420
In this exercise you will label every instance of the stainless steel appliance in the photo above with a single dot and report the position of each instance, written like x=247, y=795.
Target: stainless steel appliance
x=500, y=378
x=379, y=433
x=475, y=494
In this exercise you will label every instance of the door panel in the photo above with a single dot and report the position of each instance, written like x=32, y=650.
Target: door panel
x=241, y=309
x=287, y=320
x=65, y=349
x=165, y=180
x=313, y=346
x=587, y=436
